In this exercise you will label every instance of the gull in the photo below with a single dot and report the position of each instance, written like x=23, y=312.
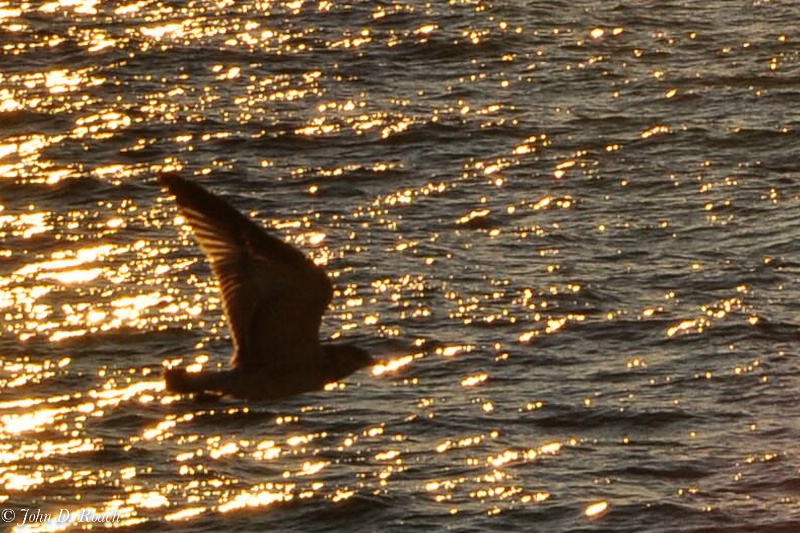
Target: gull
x=273, y=297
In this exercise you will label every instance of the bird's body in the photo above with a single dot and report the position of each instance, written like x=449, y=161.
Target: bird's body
x=274, y=298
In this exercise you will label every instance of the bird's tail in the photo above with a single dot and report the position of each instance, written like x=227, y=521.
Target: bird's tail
x=178, y=380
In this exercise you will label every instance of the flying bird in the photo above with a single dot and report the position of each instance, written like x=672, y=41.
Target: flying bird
x=274, y=298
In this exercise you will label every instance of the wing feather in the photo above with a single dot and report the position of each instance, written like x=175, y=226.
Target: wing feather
x=273, y=295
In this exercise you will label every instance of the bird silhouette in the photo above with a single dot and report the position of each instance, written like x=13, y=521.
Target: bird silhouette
x=274, y=298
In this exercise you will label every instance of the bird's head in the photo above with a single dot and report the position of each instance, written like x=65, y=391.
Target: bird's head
x=345, y=359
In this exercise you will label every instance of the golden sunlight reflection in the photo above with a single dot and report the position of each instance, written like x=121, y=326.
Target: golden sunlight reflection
x=656, y=130
x=495, y=486
x=27, y=225
x=173, y=30
x=75, y=291
x=452, y=351
x=394, y=364
x=474, y=380
x=596, y=510
x=709, y=314
x=67, y=259
x=184, y=514
x=551, y=325
x=16, y=424
x=259, y=498
x=454, y=263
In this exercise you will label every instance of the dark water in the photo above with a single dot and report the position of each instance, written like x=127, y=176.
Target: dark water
x=567, y=228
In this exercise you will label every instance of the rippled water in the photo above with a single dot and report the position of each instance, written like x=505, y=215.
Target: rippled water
x=566, y=228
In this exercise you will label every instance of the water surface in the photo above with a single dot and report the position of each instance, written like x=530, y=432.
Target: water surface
x=566, y=228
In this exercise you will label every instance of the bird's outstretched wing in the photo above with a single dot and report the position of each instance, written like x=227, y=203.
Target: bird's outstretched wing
x=273, y=295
